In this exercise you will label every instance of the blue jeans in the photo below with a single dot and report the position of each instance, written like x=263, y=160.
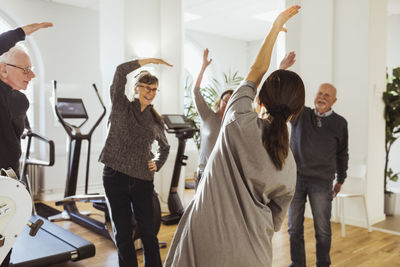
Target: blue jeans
x=126, y=194
x=320, y=196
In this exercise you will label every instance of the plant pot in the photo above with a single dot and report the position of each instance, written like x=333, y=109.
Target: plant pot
x=390, y=203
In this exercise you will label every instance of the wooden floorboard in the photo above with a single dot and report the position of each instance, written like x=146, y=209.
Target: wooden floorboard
x=358, y=248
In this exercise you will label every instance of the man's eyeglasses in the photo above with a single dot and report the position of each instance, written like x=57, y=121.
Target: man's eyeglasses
x=25, y=70
x=148, y=89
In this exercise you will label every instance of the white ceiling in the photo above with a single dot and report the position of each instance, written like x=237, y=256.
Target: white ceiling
x=393, y=7
x=90, y=4
x=230, y=18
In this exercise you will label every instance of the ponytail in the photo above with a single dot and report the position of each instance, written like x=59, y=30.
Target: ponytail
x=283, y=96
x=275, y=139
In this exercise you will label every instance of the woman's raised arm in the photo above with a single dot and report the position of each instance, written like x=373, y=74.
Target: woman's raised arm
x=263, y=58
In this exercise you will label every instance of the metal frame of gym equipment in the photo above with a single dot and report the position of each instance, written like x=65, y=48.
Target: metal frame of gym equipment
x=183, y=129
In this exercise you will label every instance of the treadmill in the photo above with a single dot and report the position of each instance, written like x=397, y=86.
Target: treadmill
x=52, y=243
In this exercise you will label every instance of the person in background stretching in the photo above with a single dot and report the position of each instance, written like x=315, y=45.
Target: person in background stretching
x=250, y=177
x=15, y=75
x=211, y=120
x=129, y=163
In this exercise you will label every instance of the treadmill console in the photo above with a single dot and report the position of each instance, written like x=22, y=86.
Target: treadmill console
x=71, y=108
x=178, y=121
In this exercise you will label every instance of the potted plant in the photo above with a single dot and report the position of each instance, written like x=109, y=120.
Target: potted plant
x=391, y=98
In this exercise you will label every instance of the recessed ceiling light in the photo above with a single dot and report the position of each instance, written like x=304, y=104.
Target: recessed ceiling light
x=269, y=16
x=190, y=17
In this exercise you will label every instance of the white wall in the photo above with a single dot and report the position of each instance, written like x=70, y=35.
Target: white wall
x=252, y=50
x=227, y=54
x=393, y=42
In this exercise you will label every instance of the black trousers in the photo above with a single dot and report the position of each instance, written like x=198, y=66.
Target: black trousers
x=125, y=195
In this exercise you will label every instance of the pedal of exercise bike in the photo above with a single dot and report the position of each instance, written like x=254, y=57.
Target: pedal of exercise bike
x=100, y=205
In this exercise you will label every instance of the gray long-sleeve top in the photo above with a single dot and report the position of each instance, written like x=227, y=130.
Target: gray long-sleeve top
x=320, y=149
x=210, y=126
x=241, y=200
x=132, y=132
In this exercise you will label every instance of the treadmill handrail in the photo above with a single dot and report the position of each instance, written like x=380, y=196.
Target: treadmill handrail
x=102, y=114
x=28, y=161
x=31, y=134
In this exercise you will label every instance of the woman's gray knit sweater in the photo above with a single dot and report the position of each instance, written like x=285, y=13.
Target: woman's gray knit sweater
x=132, y=132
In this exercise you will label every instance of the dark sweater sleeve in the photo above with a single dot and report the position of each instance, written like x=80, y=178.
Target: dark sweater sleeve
x=163, y=149
x=342, y=156
x=10, y=38
x=117, y=90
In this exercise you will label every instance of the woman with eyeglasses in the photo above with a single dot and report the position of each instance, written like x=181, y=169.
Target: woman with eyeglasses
x=129, y=164
x=250, y=177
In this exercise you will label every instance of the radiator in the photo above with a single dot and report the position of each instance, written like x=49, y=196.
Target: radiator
x=34, y=175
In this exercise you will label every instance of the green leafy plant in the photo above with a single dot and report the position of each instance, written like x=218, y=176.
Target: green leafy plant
x=211, y=93
x=391, y=98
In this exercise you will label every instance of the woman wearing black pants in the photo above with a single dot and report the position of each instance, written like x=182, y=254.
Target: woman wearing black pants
x=129, y=163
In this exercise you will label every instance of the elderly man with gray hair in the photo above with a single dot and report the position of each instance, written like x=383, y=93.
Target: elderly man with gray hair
x=15, y=74
x=319, y=142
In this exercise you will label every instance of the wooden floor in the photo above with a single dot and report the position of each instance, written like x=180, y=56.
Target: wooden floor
x=358, y=248
x=390, y=225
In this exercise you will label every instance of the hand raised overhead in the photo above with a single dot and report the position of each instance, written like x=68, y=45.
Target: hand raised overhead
x=206, y=61
x=146, y=61
x=288, y=61
x=284, y=16
x=30, y=28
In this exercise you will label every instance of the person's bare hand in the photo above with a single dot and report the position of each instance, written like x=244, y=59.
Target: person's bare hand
x=152, y=166
x=288, y=61
x=336, y=189
x=160, y=61
x=30, y=28
x=206, y=61
x=284, y=16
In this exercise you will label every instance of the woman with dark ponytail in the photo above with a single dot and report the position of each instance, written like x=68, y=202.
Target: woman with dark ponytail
x=129, y=164
x=281, y=97
x=250, y=177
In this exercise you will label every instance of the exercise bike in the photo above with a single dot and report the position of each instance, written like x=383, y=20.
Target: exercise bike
x=184, y=129
x=15, y=211
x=72, y=109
